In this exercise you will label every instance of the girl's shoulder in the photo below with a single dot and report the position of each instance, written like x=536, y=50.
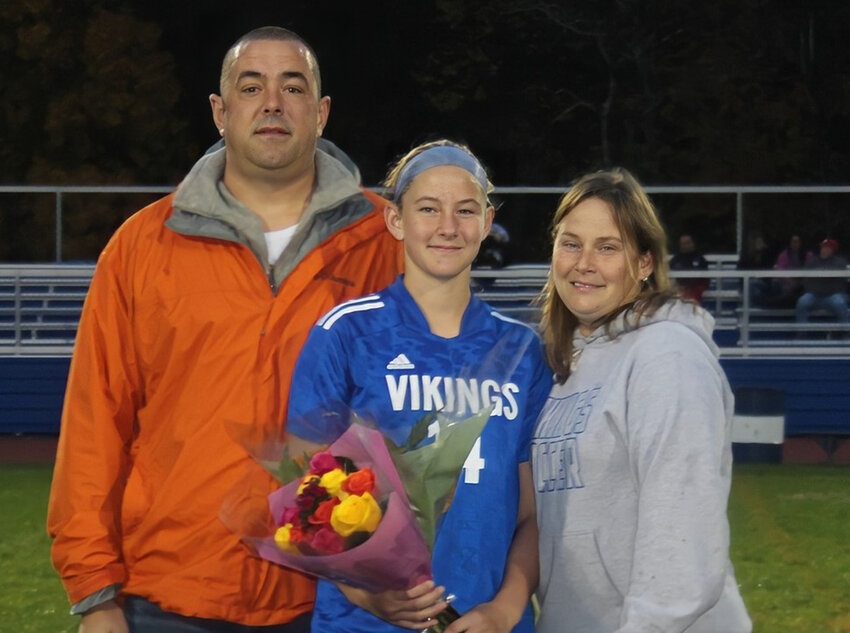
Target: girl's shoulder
x=363, y=313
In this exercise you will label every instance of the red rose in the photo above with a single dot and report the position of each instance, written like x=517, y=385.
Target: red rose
x=359, y=482
x=322, y=462
x=322, y=514
x=326, y=541
x=297, y=535
x=299, y=521
x=310, y=496
x=290, y=515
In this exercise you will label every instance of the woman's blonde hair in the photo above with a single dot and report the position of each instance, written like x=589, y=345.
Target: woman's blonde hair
x=642, y=234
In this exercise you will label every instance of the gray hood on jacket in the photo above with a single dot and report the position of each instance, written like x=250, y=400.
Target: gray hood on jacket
x=692, y=316
x=204, y=207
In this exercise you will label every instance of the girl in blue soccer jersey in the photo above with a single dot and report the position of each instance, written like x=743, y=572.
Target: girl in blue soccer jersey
x=424, y=344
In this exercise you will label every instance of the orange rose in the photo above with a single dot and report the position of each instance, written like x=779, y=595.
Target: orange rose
x=359, y=482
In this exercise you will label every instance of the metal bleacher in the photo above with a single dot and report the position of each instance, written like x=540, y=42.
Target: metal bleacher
x=740, y=328
x=40, y=307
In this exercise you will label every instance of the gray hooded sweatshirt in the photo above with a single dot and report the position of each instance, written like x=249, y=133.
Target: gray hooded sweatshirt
x=632, y=466
x=203, y=206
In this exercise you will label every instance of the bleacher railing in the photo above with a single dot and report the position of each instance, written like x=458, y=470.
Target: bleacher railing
x=737, y=192
x=40, y=308
x=59, y=192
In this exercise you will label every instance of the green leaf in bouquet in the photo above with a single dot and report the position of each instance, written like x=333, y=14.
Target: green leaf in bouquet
x=290, y=468
x=430, y=472
x=265, y=443
x=419, y=431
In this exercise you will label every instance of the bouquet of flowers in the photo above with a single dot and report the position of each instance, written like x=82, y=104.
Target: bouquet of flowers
x=334, y=509
x=364, y=511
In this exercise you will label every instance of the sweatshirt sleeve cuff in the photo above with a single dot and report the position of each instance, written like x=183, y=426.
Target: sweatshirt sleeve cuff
x=98, y=597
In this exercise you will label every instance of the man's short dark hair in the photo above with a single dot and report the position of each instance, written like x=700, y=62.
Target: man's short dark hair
x=275, y=33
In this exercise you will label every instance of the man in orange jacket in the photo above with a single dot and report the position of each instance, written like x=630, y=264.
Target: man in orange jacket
x=197, y=310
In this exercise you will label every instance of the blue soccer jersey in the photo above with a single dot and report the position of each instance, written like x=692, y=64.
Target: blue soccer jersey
x=377, y=356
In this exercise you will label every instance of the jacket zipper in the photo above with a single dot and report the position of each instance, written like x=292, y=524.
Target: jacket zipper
x=270, y=279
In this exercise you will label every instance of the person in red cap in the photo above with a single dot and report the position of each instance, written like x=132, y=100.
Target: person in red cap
x=826, y=293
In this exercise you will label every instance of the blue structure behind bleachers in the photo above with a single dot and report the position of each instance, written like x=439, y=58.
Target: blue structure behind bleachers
x=31, y=391
x=817, y=394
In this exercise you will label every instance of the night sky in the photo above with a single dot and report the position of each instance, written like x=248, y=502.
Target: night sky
x=364, y=61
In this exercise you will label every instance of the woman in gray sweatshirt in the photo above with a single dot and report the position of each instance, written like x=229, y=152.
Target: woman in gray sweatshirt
x=632, y=454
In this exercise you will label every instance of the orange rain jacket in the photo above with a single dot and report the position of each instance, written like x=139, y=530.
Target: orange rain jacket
x=185, y=330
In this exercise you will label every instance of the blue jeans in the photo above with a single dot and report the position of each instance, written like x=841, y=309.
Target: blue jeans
x=835, y=303
x=146, y=617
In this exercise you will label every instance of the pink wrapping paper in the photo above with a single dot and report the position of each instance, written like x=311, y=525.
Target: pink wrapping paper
x=395, y=555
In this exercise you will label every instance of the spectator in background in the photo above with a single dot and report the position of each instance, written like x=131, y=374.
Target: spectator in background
x=792, y=257
x=756, y=257
x=825, y=293
x=688, y=259
x=494, y=248
x=493, y=255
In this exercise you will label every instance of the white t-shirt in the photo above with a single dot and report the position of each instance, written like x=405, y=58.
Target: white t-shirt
x=277, y=240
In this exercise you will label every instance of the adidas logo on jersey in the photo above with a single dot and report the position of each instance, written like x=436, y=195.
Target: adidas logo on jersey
x=400, y=362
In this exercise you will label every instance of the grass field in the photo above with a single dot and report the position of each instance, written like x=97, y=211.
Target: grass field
x=31, y=597
x=790, y=546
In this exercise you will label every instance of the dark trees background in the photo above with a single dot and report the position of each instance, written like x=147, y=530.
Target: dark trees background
x=726, y=92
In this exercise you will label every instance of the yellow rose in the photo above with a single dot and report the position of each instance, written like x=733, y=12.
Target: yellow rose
x=332, y=481
x=306, y=481
x=356, y=513
x=282, y=538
